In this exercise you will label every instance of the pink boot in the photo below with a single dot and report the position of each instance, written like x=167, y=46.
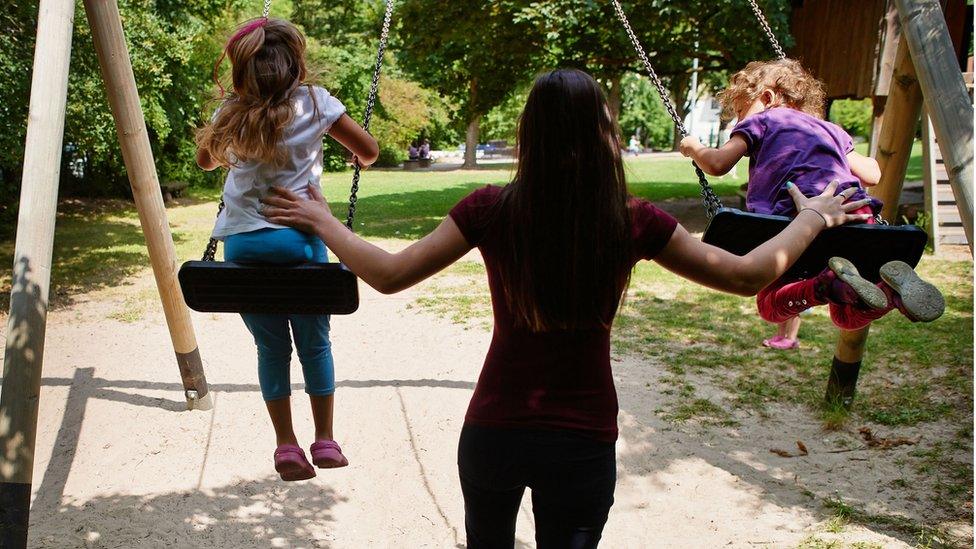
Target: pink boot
x=291, y=464
x=326, y=454
x=915, y=298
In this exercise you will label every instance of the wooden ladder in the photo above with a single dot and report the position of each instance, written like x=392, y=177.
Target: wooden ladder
x=944, y=223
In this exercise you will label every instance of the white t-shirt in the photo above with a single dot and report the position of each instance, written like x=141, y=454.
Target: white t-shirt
x=248, y=182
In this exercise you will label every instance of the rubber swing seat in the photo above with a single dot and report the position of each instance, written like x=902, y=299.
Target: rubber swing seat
x=307, y=288
x=867, y=246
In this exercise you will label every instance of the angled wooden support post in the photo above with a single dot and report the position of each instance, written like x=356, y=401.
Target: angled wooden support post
x=893, y=150
x=32, y=268
x=923, y=25
x=902, y=111
x=123, y=96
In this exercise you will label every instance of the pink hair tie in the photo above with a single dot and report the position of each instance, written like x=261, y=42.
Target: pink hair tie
x=245, y=30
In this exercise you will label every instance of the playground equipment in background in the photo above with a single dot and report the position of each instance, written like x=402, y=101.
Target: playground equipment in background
x=924, y=47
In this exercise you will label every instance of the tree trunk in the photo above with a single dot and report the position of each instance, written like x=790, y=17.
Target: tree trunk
x=615, y=95
x=471, y=143
x=474, y=122
x=679, y=95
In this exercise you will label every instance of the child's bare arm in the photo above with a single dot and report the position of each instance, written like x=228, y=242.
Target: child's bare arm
x=715, y=161
x=864, y=168
x=205, y=161
x=351, y=136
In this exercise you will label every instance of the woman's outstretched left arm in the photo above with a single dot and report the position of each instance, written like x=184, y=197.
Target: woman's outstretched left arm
x=386, y=272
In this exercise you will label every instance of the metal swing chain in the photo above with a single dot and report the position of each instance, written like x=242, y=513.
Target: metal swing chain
x=370, y=102
x=710, y=200
x=267, y=9
x=766, y=28
x=211, y=251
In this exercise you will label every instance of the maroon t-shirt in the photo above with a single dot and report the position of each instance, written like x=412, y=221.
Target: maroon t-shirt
x=547, y=380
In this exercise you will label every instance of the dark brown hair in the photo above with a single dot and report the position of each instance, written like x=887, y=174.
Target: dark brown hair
x=268, y=64
x=564, y=217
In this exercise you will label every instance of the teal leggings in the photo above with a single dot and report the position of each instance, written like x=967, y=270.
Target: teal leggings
x=270, y=331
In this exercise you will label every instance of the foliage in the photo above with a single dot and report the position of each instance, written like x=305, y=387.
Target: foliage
x=172, y=48
x=342, y=41
x=474, y=52
x=855, y=116
x=502, y=121
x=723, y=34
x=643, y=113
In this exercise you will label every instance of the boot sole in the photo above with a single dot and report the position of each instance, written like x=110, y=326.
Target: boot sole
x=923, y=301
x=871, y=295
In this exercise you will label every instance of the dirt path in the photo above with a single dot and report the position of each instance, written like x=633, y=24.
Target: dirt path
x=120, y=464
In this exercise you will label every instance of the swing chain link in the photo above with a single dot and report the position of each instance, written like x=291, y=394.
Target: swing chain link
x=267, y=9
x=780, y=54
x=370, y=102
x=710, y=200
x=650, y=69
x=211, y=251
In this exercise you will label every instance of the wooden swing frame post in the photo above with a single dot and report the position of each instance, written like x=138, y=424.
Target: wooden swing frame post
x=32, y=267
x=924, y=70
x=123, y=96
x=902, y=111
x=946, y=98
x=892, y=151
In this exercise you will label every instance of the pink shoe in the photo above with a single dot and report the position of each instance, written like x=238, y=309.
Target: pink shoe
x=291, y=464
x=326, y=454
x=781, y=343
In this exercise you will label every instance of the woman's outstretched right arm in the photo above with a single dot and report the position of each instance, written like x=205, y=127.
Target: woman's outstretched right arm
x=745, y=275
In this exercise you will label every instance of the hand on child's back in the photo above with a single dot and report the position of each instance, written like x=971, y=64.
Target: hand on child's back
x=833, y=208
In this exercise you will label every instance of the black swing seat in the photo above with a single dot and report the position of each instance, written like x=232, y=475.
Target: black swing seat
x=867, y=246
x=307, y=288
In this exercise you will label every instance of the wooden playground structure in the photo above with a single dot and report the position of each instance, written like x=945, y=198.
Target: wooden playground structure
x=901, y=54
x=35, y=239
x=919, y=61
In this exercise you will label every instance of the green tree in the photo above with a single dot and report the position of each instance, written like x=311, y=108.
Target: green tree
x=173, y=45
x=855, y=116
x=342, y=41
x=642, y=113
x=473, y=52
x=722, y=34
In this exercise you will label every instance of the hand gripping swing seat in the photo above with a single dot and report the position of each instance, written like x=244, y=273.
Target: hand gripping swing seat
x=307, y=288
x=738, y=232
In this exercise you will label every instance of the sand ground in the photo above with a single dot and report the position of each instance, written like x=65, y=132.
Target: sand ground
x=120, y=463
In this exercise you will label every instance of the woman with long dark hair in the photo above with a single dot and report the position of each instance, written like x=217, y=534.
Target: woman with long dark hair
x=559, y=243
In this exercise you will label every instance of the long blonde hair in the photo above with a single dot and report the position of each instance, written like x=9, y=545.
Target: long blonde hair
x=798, y=89
x=267, y=65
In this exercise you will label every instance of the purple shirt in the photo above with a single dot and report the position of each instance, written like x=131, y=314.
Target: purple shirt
x=785, y=144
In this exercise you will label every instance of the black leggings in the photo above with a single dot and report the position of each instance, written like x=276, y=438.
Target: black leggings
x=572, y=478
